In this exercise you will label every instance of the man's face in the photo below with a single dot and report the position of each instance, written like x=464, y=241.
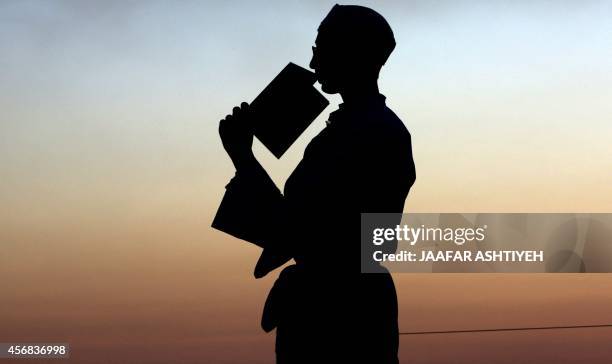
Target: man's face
x=340, y=66
x=330, y=65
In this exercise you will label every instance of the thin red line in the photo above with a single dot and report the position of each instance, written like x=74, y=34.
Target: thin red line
x=506, y=329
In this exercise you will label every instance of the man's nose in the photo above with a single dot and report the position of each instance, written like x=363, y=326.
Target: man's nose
x=313, y=60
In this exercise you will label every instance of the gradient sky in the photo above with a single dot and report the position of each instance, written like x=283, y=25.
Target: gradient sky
x=112, y=167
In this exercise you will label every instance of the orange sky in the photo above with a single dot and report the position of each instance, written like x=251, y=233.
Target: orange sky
x=134, y=288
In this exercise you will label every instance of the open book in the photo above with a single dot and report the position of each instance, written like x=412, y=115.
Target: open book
x=280, y=113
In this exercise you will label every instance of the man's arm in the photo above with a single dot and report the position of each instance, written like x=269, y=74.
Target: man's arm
x=253, y=208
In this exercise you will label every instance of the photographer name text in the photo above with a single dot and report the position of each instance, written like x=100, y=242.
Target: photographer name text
x=459, y=256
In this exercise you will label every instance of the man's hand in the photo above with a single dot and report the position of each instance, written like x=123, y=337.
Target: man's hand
x=236, y=132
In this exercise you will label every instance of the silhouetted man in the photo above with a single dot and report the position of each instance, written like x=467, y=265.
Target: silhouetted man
x=323, y=308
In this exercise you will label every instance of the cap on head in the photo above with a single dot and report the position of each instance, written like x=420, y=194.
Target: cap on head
x=360, y=31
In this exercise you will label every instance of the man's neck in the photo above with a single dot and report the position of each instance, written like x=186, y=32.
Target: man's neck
x=364, y=91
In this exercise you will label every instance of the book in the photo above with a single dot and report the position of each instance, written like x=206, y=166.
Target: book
x=285, y=108
x=280, y=114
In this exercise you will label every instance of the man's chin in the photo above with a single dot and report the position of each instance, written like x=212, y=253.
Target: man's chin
x=328, y=89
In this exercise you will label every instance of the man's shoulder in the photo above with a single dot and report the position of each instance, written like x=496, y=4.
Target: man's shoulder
x=374, y=127
x=385, y=123
x=393, y=121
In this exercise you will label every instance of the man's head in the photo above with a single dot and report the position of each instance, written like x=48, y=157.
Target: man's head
x=352, y=45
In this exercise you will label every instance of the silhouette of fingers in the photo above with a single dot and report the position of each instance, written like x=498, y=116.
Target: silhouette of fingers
x=240, y=115
x=225, y=125
x=222, y=127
